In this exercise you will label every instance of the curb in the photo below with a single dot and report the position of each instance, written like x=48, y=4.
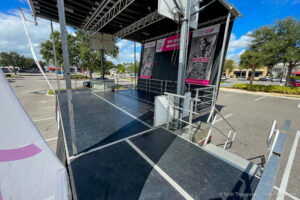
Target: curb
x=285, y=96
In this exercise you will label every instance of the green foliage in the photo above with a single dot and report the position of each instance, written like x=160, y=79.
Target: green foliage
x=16, y=60
x=296, y=77
x=78, y=76
x=8, y=75
x=51, y=92
x=229, y=65
x=252, y=59
x=269, y=88
x=121, y=68
x=130, y=67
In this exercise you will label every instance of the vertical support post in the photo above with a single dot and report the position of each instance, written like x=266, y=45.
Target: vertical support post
x=183, y=49
x=134, y=65
x=64, y=42
x=191, y=119
x=55, y=60
x=210, y=130
x=168, y=110
x=102, y=62
x=223, y=50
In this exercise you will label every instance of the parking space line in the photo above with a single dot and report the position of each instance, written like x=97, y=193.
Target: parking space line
x=298, y=105
x=218, y=120
x=286, y=193
x=228, y=95
x=38, y=120
x=50, y=139
x=286, y=174
x=260, y=98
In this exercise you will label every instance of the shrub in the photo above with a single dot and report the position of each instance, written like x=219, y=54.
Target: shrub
x=8, y=75
x=78, y=76
x=51, y=92
x=268, y=88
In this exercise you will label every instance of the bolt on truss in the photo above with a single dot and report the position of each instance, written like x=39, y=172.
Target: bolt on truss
x=142, y=23
x=116, y=9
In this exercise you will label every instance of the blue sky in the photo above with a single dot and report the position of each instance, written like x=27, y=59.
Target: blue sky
x=256, y=13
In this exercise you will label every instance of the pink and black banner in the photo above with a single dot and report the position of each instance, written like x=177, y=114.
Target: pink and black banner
x=169, y=43
x=148, y=59
x=201, y=55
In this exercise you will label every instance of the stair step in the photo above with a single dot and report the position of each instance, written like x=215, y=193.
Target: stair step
x=235, y=160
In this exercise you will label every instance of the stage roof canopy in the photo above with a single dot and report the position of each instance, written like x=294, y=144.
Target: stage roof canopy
x=135, y=20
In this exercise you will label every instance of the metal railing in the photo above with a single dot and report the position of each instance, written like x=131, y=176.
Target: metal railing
x=230, y=136
x=173, y=114
x=113, y=84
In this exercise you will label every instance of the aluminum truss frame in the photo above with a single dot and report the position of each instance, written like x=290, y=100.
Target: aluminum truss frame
x=116, y=9
x=140, y=24
x=98, y=11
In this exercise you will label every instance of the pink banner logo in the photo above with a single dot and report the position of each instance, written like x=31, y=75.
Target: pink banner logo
x=145, y=77
x=148, y=64
x=19, y=153
x=201, y=60
x=197, y=81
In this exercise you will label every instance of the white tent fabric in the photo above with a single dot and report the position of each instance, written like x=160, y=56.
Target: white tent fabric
x=28, y=167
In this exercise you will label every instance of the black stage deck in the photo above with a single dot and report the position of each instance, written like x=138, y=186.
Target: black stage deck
x=125, y=158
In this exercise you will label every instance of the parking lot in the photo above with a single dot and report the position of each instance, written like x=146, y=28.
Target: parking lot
x=250, y=114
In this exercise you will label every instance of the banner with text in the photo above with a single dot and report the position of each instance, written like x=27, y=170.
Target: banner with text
x=169, y=43
x=201, y=55
x=148, y=59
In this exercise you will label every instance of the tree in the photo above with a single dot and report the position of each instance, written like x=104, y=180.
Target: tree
x=229, y=65
x=251, y=59
x=11, y=58
x=121, y=68
x=130, y=67
x=288, y=32
x=264, y=40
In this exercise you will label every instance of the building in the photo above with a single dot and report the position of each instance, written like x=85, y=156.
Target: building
x=113, y=72
x=239, y=72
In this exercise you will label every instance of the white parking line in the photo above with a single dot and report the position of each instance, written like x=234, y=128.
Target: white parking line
x=38, y=120
x=218, y=120
x=260, y=98
x=286, y=193
x=298, y=105
x=228, y=95
x=286, y=174
x=50, y=139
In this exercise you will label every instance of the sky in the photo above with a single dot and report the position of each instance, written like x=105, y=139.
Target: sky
x=256, y=13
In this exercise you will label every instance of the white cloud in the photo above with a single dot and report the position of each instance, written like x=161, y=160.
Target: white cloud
x=126, y=53
x=13, y=37
x=238, y=43
x=237, y=46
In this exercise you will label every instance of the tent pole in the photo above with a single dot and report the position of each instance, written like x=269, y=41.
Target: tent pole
x=55, y=60
x=134, y=65
x=183, y=49
x=64, y=42
x=223, y=48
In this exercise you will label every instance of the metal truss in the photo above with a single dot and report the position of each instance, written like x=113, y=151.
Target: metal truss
x=142, y=23
x=97, y=12
x=117, y=8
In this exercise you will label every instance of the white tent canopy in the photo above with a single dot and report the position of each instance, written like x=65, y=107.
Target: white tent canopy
x=28, y=168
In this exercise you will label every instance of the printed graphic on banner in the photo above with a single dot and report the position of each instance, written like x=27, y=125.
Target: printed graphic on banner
x=201, y=56
x=148, y=59
x=168, y=44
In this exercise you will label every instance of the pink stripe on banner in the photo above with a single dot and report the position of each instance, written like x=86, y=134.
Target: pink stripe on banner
x=197, y=81
x=19, y=153
x=145, y=77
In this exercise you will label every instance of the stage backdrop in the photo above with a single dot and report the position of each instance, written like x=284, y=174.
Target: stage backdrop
x=148, y=59
x=201, y=56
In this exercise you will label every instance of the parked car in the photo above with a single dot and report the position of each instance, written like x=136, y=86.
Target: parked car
x=275, y=79
x=5, y=70
x=265, y=78
x=295, y=83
